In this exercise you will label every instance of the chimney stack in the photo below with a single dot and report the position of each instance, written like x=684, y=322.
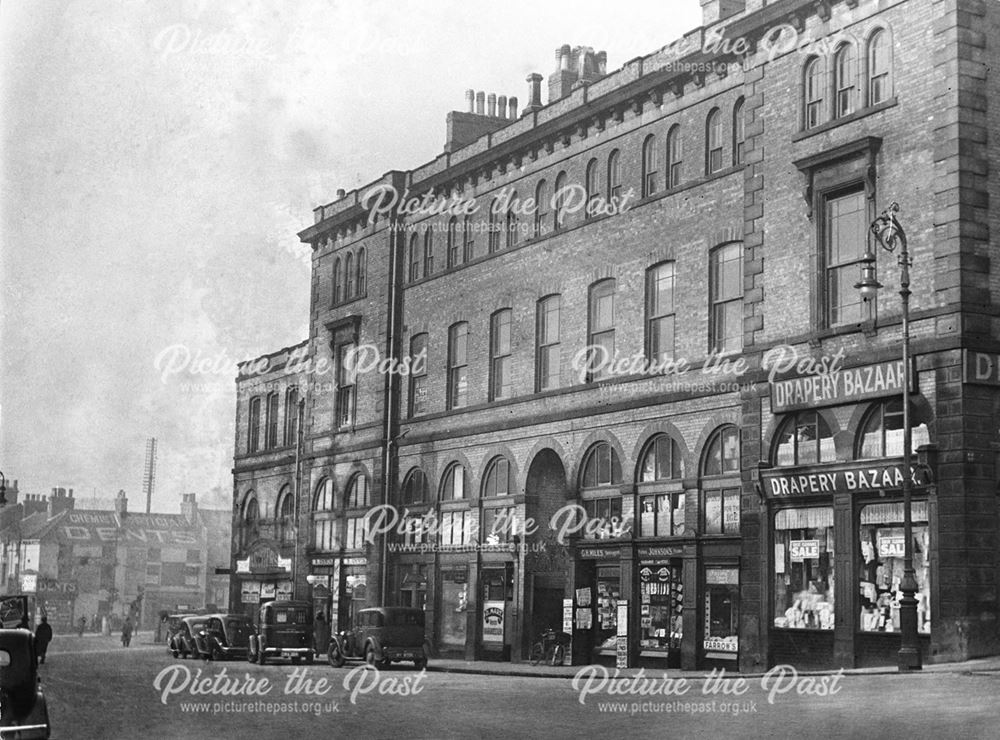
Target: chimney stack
x=189, y=507
x=713, y=11
x=121, y=505
x=484, y=114
x=534, y=92
x=573, y=66
x=512, y=103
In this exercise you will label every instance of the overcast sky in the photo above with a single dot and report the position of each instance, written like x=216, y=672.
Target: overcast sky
x=158, y=159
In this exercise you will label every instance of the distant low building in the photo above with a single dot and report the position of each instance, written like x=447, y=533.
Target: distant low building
x=95, y=563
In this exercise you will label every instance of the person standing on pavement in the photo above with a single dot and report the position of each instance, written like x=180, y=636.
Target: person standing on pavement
x=127, y=632
x=83, y=626
x=43, y=636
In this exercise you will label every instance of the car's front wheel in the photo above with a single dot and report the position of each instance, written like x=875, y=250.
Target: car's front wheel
x=370, y=656
x=335, y=656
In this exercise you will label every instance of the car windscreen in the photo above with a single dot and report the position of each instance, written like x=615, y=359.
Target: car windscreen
x=238, y=631
x=411, y=618
x=290, y=616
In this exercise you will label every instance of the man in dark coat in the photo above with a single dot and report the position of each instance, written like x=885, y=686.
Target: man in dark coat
x=127, y=632
x=43, y=636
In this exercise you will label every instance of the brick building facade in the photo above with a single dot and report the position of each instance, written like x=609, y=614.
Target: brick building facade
x=98, y=563
x=729, y=493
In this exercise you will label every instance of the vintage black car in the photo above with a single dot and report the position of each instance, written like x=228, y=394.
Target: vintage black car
x=381, y=636
x=182, y=644
x=284, y=630
x=172, y=625
x=23, y=711
x=224, y=636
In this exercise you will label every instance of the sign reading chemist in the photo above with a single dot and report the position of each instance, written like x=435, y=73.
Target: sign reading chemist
x=837, y=386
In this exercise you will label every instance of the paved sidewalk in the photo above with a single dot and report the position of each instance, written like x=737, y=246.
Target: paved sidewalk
x=484, y=667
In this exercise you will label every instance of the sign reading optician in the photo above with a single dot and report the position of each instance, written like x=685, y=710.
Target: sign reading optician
x=872, y=477
x=837, y=386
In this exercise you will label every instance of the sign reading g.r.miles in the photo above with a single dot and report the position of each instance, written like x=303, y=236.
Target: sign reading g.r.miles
x=837, y=386
x=981, y=368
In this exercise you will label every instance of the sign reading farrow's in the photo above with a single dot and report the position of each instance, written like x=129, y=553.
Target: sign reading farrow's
x=837, y=386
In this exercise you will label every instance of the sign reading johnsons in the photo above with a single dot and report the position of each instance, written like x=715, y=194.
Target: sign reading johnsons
x=837, y=386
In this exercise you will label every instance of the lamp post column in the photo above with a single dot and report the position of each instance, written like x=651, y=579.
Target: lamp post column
x=909, y=648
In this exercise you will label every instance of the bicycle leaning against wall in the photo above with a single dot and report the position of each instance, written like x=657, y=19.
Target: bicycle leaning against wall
x=550, y=648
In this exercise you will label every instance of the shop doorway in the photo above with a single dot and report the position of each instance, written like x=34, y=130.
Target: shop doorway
x=545, y=609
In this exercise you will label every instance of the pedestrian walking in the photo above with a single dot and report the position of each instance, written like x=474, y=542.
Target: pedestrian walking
x=43, y=636
x=127, y=632
x=82, y=626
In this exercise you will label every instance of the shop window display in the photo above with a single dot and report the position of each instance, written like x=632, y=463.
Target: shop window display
x=722, y=613
x=662, y=515
x=454, y=607
x=608, y=593
x=803, y=568
x=881, y=566
x=661, y=609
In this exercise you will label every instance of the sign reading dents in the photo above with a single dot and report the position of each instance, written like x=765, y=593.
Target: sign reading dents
x=873, y=477
x=837, y=386
x=981, y=368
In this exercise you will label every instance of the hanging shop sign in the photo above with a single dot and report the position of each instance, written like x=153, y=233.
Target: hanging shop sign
x=493, y=614
x=835, y=387
x=801, y=550
x=285, y=564
x=980, y=368
x=876, y=476
x=243, y=566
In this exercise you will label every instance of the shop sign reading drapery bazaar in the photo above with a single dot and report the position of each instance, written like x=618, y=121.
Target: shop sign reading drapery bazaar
x=871, y=477
x=837, y=387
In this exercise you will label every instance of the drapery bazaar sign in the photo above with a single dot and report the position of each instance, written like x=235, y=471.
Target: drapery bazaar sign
x=871, y=477
x=837, y=386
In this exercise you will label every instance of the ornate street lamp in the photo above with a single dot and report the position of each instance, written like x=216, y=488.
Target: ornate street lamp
x=890, y=235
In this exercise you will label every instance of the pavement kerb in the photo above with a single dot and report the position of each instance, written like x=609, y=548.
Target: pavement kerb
x=563, y=671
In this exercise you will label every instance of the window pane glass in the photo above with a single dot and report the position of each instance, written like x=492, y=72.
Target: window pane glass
x=882, y=548
x=803, y=569
x=713, y=512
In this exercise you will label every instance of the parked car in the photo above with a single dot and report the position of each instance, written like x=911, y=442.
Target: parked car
x=284, y=630
x=224, y=636
x=172, y=624
x=23, y=710
x=381, y=636
x=183, y=644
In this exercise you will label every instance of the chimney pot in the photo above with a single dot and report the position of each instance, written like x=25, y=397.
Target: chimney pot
x=502, y=106
x=491, y=105
x=534, y=92
x=470, y=100
x=341, y=193
x=512, y=104
x=480, y=102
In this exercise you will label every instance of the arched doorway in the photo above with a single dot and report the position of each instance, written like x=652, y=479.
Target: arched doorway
x=547, y=563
